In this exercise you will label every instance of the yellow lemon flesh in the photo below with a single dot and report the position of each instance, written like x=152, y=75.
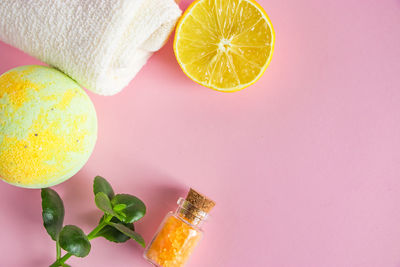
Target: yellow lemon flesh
x=48, y=127
x=225, y=45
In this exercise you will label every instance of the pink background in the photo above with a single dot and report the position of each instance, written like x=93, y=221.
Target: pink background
x=304, y=165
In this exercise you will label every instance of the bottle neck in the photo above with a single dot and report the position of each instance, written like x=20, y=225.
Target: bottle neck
x=190, y=213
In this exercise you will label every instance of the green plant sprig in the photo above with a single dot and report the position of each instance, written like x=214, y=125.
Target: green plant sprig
x=116, y=225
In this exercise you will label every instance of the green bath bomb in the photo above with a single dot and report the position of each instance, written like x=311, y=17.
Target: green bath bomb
x=48, y=127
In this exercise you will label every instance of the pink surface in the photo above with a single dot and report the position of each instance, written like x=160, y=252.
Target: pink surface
x=304, y=165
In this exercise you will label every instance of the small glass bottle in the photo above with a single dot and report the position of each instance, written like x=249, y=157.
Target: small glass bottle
x=179, y=232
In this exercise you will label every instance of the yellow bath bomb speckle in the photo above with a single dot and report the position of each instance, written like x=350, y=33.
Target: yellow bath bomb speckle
x=48, y=127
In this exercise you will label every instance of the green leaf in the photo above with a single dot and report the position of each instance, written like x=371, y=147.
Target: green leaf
x=52, y=212
x=103, y=203
x=123, y=229
x=101, y=185
x=74, y=241
x=134, y=210
x=119, y=207
x=112, y=234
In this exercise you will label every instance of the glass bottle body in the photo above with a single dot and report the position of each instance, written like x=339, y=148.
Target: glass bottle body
x=176, y=238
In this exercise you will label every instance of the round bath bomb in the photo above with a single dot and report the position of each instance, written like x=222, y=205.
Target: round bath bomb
x=48, y=127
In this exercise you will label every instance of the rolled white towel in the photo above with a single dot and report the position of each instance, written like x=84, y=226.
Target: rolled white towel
x=102, y=44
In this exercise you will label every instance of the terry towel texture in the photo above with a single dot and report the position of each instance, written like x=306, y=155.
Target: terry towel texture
x=102, y=44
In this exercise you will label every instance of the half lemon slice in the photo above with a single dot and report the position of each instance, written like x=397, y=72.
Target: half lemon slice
x=225, y=45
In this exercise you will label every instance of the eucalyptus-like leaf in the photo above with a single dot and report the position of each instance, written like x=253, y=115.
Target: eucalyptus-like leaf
x=134, y=210
x=52, y=212
x=101, y=185
x=73, y=240
x=103, y=203
x=126, y=231
x=112, y=234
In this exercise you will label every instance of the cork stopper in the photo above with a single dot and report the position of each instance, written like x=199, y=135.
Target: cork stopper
x=195, y=207
x=200, y=201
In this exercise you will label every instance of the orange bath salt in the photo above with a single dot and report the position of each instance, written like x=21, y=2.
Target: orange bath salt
x=174, y=243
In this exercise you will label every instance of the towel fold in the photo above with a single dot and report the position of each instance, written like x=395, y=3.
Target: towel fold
x=101, y=44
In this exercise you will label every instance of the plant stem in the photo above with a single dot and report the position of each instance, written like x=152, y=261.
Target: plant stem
x=105, y=222
x=60, y=262
x=90, y=236
x=58, y=250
